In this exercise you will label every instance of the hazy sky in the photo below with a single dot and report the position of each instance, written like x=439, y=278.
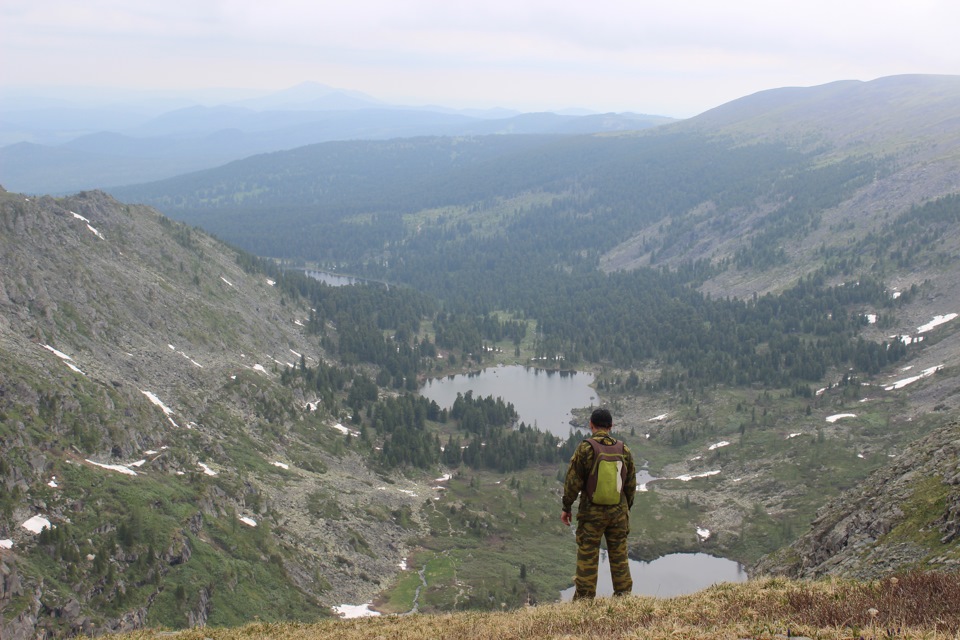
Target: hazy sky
x=670, y=57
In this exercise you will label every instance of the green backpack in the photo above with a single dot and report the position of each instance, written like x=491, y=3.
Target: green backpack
x=609, y=473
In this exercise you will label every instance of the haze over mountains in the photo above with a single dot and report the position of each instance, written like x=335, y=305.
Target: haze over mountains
x=788, y=170
x=213, y=436
x=63, y=147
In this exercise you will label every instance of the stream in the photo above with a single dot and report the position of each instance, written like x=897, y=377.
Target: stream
x=416, y=594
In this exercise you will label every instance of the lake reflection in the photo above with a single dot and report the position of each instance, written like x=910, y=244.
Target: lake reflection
x=542, y=398
x=671, y=575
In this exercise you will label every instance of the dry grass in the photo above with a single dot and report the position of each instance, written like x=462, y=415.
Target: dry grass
x=912, y=606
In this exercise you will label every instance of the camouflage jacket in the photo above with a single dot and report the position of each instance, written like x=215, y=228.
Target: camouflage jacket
x=579, y=470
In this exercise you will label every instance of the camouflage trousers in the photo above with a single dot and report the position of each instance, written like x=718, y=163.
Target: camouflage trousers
x=614, y=525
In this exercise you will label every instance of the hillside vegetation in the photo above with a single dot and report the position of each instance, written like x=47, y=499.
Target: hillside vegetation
x=904, y=606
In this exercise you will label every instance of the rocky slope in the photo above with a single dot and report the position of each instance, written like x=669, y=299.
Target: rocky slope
x=152, y=467
x=910, y=121
x=905, y=516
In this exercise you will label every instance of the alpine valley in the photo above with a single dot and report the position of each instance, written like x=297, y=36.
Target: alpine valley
x=194, y=431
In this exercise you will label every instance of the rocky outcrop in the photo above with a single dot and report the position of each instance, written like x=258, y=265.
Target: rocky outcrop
x=904, y=516
x=20, y=606
x=198, y=617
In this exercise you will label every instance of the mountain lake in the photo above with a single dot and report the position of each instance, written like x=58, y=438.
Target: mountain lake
x=671, y=575
x=332, y=279
x=542, y=398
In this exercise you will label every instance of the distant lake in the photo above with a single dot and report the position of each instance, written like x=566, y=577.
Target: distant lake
x=671, y=575
x=542, y=398
x=332, y=279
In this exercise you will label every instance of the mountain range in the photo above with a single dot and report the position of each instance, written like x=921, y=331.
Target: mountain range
x=62, y=149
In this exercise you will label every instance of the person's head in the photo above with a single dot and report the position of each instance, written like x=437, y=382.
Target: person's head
x=601, y=419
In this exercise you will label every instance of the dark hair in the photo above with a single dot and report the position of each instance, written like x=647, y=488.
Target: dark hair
x=601, y=419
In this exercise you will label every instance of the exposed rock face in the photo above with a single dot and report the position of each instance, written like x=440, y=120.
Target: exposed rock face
x=904, y=516
x=22, y=625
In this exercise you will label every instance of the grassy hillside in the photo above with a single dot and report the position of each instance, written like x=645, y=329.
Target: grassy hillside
x=908, y=606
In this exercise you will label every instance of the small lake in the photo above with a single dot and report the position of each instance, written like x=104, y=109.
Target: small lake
x=332, y=279
x=542, y=398
x=671, y=575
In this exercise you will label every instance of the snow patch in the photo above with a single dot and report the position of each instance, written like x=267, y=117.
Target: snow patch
x=74, y=368
x=662, y=416
x=702, y=533
x=355, y=610
x=936, y=322
x=838, y=416
x=119, y=468
x=59, y=354
x=194, y=362
x=899, y=384
x=248, y=521
x=6, y=544
x=82, y=219
x=282, y=465
x=166, y=410
x=67, y=360
x=347, y=432
x=723, y=443
x=206, y=470
x=688, y=477
x=36, y=524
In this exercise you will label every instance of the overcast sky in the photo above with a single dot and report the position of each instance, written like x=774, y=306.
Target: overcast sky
x=671, y=57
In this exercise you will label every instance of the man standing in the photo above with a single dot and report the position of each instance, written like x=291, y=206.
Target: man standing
x=595, y=521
